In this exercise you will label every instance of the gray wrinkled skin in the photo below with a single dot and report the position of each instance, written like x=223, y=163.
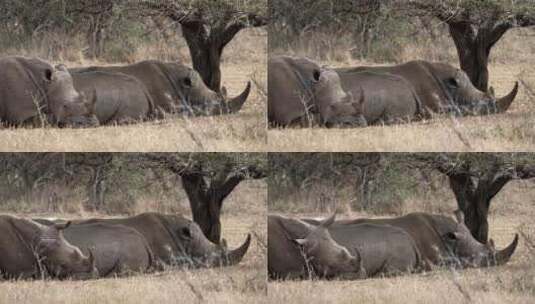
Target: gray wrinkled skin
x=31, y=90
x=176, y=88
x=299, y=250
x=442, y=88
x=300, y=92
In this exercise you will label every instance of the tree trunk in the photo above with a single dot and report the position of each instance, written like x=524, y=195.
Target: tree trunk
x=473, y=46
x=205, y=51
x=206, y=200
x=473, y=198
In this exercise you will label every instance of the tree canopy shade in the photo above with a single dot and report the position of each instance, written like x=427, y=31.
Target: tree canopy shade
x=476, y=26
x=208, y=26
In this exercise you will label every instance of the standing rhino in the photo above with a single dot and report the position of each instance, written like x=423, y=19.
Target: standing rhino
x=300, y=91
x=120, y=98
x=440, y=240
x=31, y=250
x=440, y=87
x=31, y=89
x=299, y=250
x=117, y=249
x=176, y=88
x=175, y=240
x=387, y=98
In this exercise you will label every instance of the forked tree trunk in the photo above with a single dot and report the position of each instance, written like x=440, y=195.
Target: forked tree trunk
x=205, y=51
x=475, y=193
x=206, y=198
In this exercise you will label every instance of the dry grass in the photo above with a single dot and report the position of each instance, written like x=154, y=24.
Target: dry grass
x=244, y=131
x=512, y=211
x=244, y=212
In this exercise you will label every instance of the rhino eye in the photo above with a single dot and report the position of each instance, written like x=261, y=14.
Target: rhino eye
x=187, y=82
x=186, y=232
x=317, y=75
x=451, y=236
x=452, y=82
x=48, y=74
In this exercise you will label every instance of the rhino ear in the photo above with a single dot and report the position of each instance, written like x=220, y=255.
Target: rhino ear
x=300, y=242
x=48, y=74
x=62, y=226
x=316, y=75
x=459, y=215
x=329, y=221
x=491, y=92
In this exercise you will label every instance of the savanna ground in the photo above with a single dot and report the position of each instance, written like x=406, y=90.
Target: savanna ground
x=244, y=59
x=511, y=60
x=244, y=212
x=511, y=212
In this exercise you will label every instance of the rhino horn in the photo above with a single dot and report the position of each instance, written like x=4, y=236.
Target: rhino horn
x=503, y=256
x=329, y=221
x=505, y=102
x=235, y=104
x=236, y=255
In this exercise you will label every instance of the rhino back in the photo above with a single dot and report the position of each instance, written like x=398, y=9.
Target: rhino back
x=16, y=257
x=21, y=81
x=286, y=94
x=120, y=97
x=384, y=249
x=152, y=227
x=151, y=75
x=117, y=248
x=285, y=261
x=388, y=98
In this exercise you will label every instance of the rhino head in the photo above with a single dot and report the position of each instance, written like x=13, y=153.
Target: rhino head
x=61, y=258
x=465, y=98
x=468, y=252
x=67, y=107
x=325, y=255
x=198, y=251
x=196, y=98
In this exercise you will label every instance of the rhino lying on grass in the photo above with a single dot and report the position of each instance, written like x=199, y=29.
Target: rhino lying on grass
x=33, y=92
x=31, y=250
x=147, y=242
x=411, y=243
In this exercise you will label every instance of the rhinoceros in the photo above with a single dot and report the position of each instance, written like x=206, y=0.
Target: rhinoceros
x=386, y=98
x=117, y=249
x=300, y=92
x=441, y=240
x=385, y=250
x=440, y=87
x=31, y=250
x=299, y=250
x=32, y=90
x=120, y=98
x=176, y=88
x=175, y=240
